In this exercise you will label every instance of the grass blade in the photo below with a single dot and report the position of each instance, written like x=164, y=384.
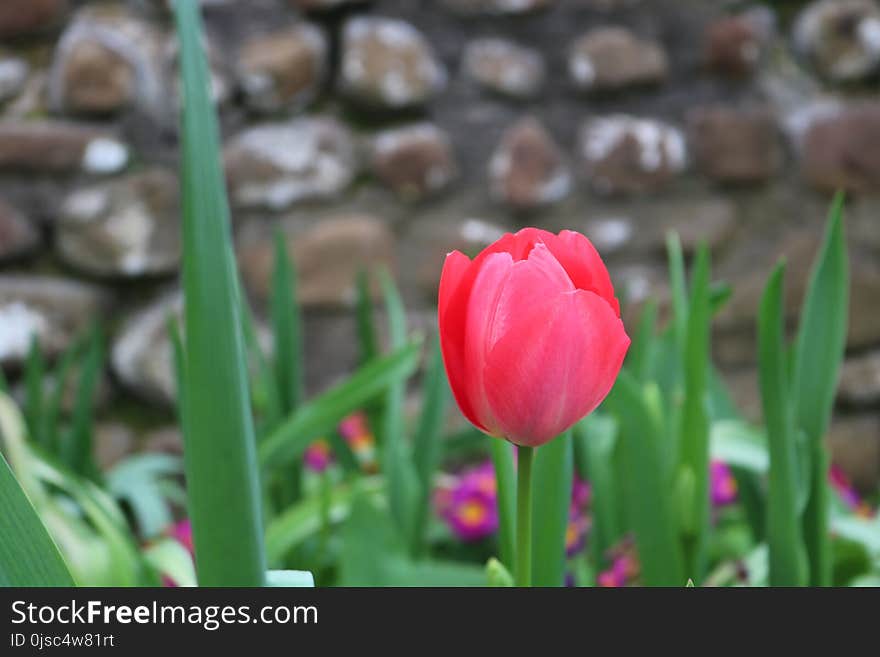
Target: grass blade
x=28, y=555
x=427, y=448
x=321, y=414
x=679, y=289
x=287, y=329
x=787, y=567
x=505, y=483
x=34, y=376
x=403, y=484
x=551, y=500
x=77, y=447
x=219, y=435
x=694, y=438
x=819, y=349
x=56, y=401
x=366, y=327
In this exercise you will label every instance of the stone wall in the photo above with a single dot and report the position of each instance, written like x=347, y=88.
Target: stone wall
x=396, y=130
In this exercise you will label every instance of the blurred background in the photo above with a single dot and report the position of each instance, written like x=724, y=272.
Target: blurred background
x=394, y=131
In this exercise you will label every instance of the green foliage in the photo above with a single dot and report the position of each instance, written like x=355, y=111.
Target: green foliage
x=218, y=432
x=551, y=498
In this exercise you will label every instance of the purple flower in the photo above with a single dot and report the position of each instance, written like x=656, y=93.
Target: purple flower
x=723, y=484
x=469, y=506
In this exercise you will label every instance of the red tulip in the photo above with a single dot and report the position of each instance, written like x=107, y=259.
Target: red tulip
x=531, y=334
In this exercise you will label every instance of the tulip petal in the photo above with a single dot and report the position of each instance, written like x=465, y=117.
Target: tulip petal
x=554, y=365
x=482, y=306
x=584, y=265
x=531, y=283
x=454, y=268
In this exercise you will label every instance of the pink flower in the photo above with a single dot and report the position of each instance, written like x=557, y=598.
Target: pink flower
x=182, y=533
x=318, y=456
x=847, y=492
x=624, y=569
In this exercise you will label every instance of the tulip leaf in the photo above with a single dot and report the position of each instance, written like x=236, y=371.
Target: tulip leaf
x=28, y=556
x=597, y=435
x=694, y=438
x=679, y=289
x=403, y=486
x=497, y=575
x=785, y=543
x=287, y=329
x=647, y=485
x=373, y=554
x=321, y=414
x=219, y=444
x=551, y=501
x=641, y=352
x=819, y=350
x=427, y=447
x=505, y=484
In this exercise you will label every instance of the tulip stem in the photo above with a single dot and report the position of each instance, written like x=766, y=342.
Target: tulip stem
x=524, y=516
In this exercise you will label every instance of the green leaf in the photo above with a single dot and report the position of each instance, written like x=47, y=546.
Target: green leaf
x=321, y=414
x=34, y=375
x=679, y=289
x=427, y=447
x=785, y=543
x=505, y=483
x=366, y=327
x=178, y=360
x=219, y=433
x=168, y=557
x=77, y=447
x=641, y=353
x=290, y=579
x=694, y=437
x=551, y=500
x=497, y=575
x=28, y=556
x=303, y=520
x=402, y=478
x=739, y=445
x=373, y=554
x=144, y=482
x=647, y=485
x=819, y=351
x=56, y=400
x=287, y=329
x=597, y=435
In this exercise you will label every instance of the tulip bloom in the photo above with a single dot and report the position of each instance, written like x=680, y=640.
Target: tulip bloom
x=531, y=334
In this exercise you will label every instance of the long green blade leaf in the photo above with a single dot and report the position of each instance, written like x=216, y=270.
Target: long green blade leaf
x=551, y=499
x=28, y=555
x=505, y=484
x=694, y=438
x=427, y=448
x=287, y=329
x=787, y=567
x=403, y=487
x=221, y=469
x=818, y=353
x=647, y=485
